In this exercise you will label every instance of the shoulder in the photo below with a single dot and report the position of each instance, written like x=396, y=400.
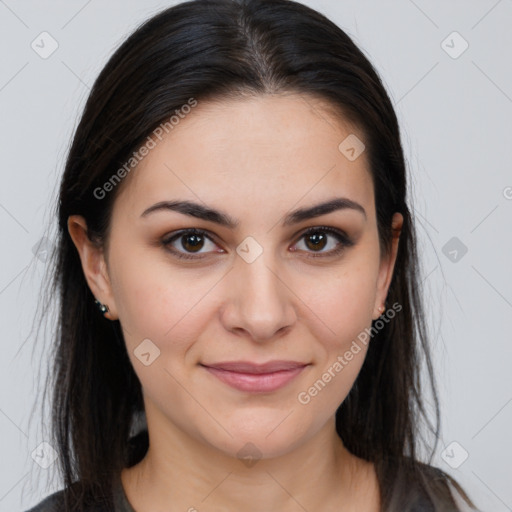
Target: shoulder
x=437, y=490
x=52, y=503
x=81, y=501
x=413, y=486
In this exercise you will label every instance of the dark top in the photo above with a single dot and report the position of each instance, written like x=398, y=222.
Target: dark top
x=54, y=502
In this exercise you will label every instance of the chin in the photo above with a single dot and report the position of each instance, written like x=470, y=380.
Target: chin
x=266, y=438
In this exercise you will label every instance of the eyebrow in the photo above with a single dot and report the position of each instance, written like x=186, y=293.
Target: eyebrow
x=223, y=219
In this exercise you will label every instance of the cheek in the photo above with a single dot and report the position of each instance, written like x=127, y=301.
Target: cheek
x=343, y=307
x=344, y=300
x=158, y=302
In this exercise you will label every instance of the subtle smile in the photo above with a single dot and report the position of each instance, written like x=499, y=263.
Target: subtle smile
x=255, y=378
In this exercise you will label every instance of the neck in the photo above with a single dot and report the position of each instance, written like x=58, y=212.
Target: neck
x=185, y=474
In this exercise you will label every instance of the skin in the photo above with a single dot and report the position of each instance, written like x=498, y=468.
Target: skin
x=256, y=159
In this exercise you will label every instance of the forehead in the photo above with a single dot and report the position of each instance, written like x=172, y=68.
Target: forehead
x=251, y=152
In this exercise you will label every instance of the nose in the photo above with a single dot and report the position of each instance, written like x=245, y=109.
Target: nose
x=259, y=303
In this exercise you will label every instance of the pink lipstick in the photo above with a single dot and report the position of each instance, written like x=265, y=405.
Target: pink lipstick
x=256, y=378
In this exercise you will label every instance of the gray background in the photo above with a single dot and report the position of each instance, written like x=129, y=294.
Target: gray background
x=456, y=117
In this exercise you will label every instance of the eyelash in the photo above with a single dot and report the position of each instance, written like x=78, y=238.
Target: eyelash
x=344, y=240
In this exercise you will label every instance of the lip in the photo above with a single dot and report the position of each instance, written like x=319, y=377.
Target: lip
x=256, y=378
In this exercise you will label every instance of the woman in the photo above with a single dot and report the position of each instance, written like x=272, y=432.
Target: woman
x=240, y=312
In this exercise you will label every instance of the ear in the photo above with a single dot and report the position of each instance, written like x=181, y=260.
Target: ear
x=93, y=264
x=387, y=266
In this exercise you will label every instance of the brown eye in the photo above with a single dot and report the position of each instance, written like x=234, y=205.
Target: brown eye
x=316, y=241
x=187, y=243
x=318, y=238
x=192, y=242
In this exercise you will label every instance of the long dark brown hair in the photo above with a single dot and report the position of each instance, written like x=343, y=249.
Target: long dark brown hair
x=219, y=49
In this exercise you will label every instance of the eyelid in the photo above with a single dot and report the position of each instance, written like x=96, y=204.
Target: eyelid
x=176, y=235
x=344, y=241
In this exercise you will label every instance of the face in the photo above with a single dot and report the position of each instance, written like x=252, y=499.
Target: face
x=206, y=300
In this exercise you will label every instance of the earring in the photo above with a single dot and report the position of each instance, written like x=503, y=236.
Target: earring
x=381, y=309
x=102, y=307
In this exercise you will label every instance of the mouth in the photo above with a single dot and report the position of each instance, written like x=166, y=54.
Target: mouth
x=256, y=378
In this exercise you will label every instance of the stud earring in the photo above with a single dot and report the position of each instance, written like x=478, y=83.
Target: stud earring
x=102, y=307
x=381, y=309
